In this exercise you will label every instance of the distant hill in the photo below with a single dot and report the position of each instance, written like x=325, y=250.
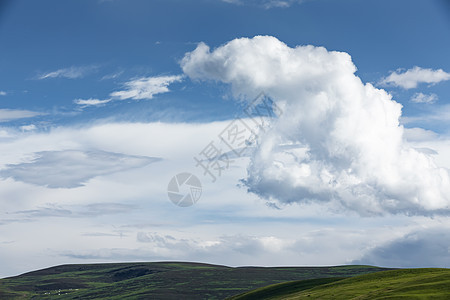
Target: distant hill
x=397, y=284
x=159, y=280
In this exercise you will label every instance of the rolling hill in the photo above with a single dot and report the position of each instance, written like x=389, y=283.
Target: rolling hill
x=160, y=280
x=395, y=284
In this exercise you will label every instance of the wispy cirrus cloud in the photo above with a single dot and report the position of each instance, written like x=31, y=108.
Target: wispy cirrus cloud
x=265, y=3
x=146, y=87
x=3, y=93
x=91, y=102
x=73, y=72
x=411, y=78
x=424, y=98
x=7, y=115
x=136, y=89
x=112, y=75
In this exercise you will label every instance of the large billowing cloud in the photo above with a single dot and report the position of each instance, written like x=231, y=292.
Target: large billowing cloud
x=346, y=143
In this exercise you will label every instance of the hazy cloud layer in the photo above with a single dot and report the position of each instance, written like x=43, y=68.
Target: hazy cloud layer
x=146, y=87
x=242, y=230
x=350, y=147
x=433, y=115
x=231, y=249
x=72, y=168
x=409, y=79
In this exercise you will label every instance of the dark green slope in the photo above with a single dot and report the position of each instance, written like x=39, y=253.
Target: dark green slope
x=158, y=280
x=396, y=284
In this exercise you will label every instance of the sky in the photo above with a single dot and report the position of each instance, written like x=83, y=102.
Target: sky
x=260, y=132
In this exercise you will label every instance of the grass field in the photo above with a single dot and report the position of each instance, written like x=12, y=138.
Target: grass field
x=395, y=284
x=159, y=280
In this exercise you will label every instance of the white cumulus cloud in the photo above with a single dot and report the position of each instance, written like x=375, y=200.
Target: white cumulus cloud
x=409, y=79
x=146, y=87
x=349, y=146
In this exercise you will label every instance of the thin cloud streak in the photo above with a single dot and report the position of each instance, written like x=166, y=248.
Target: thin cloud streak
x=267, y=4
x=90, y=102
x=7, y=115
x=69, y=73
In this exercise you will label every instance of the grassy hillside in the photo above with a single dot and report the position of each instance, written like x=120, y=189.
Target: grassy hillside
x=160, y=280
x=396, y=284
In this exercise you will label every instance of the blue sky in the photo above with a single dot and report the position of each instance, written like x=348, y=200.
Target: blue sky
x=149, y=38
x=102, y=102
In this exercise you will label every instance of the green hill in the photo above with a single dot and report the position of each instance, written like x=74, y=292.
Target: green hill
x=396, y=284
x=158, y=280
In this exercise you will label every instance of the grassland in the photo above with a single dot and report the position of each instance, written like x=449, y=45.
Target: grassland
x=395, y=284
x=160, y=280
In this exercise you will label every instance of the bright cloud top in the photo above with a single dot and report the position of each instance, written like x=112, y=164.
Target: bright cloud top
x=412, y=77
x=349, y=146
x=146, y=87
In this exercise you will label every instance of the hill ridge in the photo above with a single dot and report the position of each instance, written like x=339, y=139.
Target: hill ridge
x=159, y=280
